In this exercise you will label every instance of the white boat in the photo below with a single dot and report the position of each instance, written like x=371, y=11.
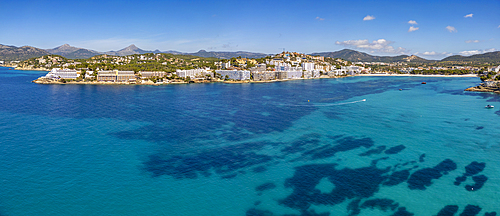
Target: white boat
x=489, y=106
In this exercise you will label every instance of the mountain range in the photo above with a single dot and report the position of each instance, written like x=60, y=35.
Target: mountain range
x=11, y=53
x=491, y=57
x=78, y=53
x=72, y=52
x=356, y=56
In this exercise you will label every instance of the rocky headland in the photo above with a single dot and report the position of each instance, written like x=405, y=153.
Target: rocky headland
x=487, y=86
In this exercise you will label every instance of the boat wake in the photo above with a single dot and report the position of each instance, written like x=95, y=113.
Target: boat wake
x=325, y=105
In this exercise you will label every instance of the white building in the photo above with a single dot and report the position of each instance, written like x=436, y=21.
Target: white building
x=307, y=74
x=316, y=74
x=89, y=75
x=286, y=72
x=62, y=73
x=235, y=74
x=193, y=73
x=149, y=74
x=308, y=66
x=263, y=75
x=338, y=72
x=225, y=65
x=115, y=76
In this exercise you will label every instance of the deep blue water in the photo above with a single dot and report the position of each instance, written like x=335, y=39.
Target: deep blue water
x=350, y=146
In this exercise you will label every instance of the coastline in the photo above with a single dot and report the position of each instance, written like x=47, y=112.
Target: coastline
x=14, y=67
x=28, y=69
x=284, y=80
x=419, y=75
x=323, y=76
x=484, y=89
x=53, y=82
x=45, y=82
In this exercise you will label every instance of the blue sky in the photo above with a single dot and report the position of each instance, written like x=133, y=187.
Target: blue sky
x=440, y=28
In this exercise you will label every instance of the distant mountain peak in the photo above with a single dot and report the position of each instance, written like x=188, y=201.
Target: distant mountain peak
x=71, y=52
x=130, y=50
x=132, y=47
x=65, y=48
x=414, y=58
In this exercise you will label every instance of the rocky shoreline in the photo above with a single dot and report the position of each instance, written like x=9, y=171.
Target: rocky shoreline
x=481, y=88
x=46, y=81
x=54, y=82
x=30, y=69
x=487, y=86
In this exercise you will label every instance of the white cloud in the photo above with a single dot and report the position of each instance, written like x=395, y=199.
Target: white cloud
x=437, y=55
x=429, y=53
x=433, y=54
x=472, y=41
x=320, y=19
x=368, y=17
x=498, y=26
x=413, y=22
x=380, y=45
x=468, y=15
x=475, y=52
x=412, y=29
x=471, y=52
x=451, y=29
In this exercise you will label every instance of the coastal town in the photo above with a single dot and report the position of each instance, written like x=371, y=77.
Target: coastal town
x=106, y=69
x=162, y=68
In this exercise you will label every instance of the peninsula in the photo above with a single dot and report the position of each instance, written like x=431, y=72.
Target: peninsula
x=167, y=68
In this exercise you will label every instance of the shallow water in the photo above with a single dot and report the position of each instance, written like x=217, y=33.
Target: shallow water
x=358, y=147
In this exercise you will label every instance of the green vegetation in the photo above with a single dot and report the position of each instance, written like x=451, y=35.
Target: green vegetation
x=250, y=65
x=490, y=58
x=442, y=72
x=170, y=63
x=489, y=76
x=138, y=62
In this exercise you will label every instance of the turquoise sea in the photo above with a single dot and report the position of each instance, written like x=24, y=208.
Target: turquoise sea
x=350, y=146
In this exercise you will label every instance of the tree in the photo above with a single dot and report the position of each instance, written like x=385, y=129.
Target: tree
x=217, y=75
x=250, y=65
x=82, y=74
